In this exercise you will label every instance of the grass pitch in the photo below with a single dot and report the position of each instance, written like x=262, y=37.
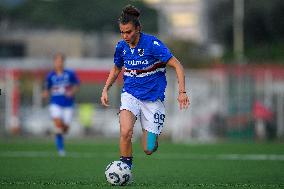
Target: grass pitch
x=33, y=163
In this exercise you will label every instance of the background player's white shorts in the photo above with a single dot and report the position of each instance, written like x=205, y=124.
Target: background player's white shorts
x=151, y=114
x=63, y=113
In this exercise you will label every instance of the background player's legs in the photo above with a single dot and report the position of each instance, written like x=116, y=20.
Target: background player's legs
x=59, y=139
x=62, y=127
x=150, y=142
x=56, y=113
x=127, y=121
x=67, y=118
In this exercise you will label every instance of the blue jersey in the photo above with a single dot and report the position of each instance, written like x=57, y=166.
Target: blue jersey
x=144, y=75
x=58, y=86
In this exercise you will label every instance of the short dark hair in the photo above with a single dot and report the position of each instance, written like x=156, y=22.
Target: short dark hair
x=130, y=14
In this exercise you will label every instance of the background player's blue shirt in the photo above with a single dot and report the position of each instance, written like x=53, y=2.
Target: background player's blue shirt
x=58, y=85
x=148, y=52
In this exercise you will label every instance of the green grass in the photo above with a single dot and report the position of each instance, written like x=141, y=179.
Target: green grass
x=33, y=163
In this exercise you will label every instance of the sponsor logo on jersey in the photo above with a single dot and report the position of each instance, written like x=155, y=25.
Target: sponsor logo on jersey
x=136, y=62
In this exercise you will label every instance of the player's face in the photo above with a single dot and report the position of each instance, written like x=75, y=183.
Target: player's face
x=129, y=33
x=59, y=63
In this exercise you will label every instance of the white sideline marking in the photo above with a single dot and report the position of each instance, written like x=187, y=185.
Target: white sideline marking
x=253, y=157
x=176, y=156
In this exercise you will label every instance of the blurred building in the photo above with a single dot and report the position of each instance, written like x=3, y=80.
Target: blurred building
x=43, y=43
x=187, y=20
x=178, y=19
x=183, y=19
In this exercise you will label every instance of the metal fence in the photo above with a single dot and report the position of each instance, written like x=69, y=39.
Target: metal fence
x=226, y=103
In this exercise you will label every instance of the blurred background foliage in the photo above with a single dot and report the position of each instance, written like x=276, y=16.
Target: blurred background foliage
x=263, y=23
x=263, y=29
x=90, y=15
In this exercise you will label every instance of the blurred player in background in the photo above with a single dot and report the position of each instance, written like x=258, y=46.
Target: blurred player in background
x=61, y=85
x=144, y=58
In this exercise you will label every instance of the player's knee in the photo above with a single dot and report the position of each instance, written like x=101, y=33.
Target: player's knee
x=126, y=134
x=61, y=128
x=65, y=129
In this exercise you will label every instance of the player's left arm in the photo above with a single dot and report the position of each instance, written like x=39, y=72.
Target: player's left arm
x=183, y=99
x=74, y=86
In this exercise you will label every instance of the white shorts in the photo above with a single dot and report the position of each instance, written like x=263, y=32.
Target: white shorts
x=151, y=114
x=63, y=113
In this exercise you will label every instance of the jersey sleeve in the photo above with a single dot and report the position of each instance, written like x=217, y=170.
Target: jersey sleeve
x=118, y=60
x=160, y=51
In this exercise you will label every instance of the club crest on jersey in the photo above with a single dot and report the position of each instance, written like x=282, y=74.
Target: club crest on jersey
x=141, y=52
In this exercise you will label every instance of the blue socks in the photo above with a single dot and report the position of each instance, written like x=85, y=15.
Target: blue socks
x=59, y=141
x=127, y=160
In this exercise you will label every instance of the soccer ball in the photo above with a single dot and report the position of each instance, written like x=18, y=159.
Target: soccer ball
x=118, y=173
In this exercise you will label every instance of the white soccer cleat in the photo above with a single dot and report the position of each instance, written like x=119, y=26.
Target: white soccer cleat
x=61, y=153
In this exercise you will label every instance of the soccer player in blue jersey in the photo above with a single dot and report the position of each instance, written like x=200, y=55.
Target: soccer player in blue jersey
x=145, y=59
x=61, y=85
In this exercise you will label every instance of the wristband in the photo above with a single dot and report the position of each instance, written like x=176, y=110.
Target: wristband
x=181, y=92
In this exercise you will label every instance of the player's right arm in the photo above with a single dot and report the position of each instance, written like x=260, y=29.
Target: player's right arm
x=114, y=72
x=45, y=94
x=47, y=85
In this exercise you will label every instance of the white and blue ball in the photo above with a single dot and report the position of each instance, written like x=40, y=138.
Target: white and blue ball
x=118, y=173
